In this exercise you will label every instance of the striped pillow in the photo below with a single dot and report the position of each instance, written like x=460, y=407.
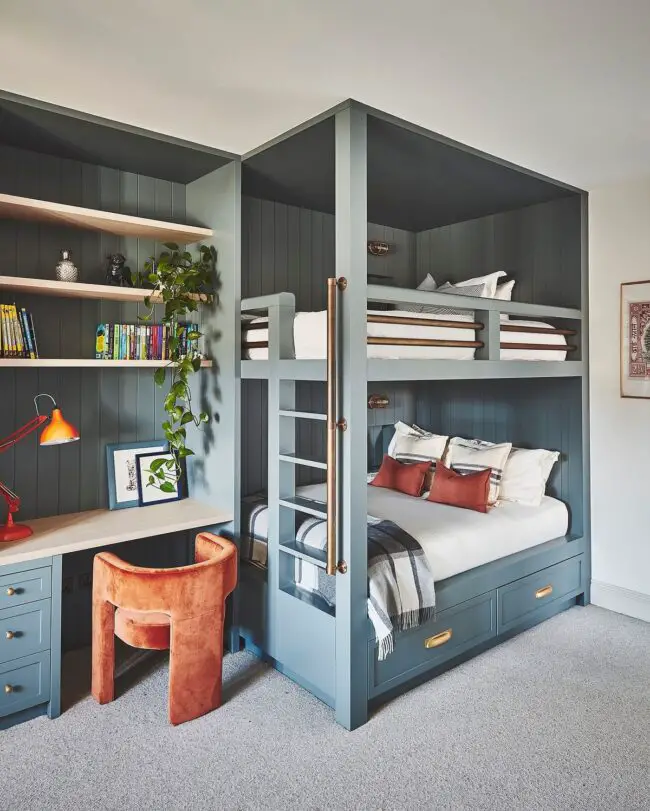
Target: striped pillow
x=413, y=444
x=477, y=290
x=469, y=455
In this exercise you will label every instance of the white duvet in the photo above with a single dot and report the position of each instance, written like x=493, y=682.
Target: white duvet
x=456, y=540
x=310, y=339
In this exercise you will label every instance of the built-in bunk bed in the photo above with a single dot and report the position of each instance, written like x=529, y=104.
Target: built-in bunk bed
x=402, y=292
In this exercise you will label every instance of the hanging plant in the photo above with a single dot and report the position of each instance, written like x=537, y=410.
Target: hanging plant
x=182, y=282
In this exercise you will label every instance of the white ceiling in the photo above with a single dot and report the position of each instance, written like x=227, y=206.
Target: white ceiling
x=560, y=86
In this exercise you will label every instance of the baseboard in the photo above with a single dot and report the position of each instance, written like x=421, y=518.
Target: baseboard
x=623, y=601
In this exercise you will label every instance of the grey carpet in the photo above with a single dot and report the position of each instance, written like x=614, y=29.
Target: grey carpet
x=558, y=718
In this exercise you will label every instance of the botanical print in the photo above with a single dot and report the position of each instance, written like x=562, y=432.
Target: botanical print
x=126, y=482
x=638, y=354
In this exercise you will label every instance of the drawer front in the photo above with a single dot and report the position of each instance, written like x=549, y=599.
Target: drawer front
x=25, y=587
x=24, y=630
x=454, y=631
x=24, y=683
x=518, y=601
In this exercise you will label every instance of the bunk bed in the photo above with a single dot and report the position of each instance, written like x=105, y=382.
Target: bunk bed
x=318, y=340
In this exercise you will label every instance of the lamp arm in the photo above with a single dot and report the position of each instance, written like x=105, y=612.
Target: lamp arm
x=21, y=433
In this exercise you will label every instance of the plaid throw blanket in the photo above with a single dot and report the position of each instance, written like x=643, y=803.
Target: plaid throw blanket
x=401, y=592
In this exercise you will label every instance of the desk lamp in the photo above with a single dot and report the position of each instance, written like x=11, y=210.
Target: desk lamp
x=56, y=432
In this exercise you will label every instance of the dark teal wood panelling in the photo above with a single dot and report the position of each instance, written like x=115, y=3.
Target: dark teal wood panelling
x=539, y=246
x=106, y=405
x=291, y=249
x=542, y=413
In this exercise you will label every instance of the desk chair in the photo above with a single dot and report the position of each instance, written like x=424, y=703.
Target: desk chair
x=179, y=609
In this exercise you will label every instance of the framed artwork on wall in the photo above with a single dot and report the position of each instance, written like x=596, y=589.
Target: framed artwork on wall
x=635, y=339
x=122, y=471
x=157, y=482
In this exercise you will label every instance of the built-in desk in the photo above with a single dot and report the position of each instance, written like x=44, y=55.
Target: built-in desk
x=31, y=592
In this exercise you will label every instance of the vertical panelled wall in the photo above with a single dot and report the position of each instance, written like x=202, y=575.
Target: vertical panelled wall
x=539, y=246
x=107, y=406
x=530, y=413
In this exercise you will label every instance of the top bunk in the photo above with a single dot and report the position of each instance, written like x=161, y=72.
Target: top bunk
x=423, y=230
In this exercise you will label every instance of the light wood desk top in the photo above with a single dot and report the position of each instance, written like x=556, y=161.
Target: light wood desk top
x=61, y=534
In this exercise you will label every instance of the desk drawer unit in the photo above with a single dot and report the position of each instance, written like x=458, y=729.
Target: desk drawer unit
x=24, y=683
x=25, y=587
x=25, y=630
x=520, y=602
x=455, y=631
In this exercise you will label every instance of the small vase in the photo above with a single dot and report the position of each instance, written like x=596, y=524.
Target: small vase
x=66, y=270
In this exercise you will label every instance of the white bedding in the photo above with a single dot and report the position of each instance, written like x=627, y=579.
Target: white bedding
x=310, y=339
x=456, y=540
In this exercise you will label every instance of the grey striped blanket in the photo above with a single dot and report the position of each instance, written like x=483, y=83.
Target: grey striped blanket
x=401, y=592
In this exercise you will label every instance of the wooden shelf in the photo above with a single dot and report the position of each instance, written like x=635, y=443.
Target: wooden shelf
x=80, y=290
x=27, y=208
x=61, y=534
x=84, y=363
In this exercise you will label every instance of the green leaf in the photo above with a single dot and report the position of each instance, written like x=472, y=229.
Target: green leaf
x=147, y=301
x=187, y=417
x=159, y=376
x=196, y=364
x=171, y=245
x=156, y=464
x=203, y=417
x=184, y=452
x=167, y=487
x=151, y=480
x=194, y=335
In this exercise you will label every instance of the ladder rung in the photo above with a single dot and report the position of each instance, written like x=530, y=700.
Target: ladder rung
x=299, y=550
x=297, y=460
x=303, y=415
x=308, y=506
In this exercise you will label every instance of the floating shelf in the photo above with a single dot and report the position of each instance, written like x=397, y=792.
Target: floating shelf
x=27, y=208
x=85, y=363
x=103, y=292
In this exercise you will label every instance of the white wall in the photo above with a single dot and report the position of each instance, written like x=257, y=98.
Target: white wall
x=619, y=251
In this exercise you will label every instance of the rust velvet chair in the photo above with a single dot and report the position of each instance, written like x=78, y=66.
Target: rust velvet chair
x=179, y=609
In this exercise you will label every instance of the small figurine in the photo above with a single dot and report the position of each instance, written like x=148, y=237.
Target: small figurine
x=117, y=273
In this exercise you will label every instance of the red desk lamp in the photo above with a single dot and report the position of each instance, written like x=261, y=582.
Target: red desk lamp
x=56, y=432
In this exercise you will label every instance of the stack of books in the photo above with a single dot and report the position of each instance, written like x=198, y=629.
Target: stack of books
x=17, y=336
x=139, y=342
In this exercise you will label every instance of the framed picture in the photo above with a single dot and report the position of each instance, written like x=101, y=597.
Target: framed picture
x=157, y=482
x=635, y=339
x=122, y=471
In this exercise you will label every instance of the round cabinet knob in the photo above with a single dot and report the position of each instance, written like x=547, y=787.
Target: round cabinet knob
x=10, y=634
x=11, y=591
x=8, y=688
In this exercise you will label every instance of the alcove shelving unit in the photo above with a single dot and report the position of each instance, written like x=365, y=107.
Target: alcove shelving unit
x=98, y=187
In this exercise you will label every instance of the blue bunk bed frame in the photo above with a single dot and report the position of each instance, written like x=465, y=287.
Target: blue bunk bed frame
x=333, y=653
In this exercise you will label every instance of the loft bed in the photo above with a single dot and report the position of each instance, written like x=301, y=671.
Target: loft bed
x=309, y=439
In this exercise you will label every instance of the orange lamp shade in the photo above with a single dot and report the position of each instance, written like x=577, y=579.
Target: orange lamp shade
x=58, y=431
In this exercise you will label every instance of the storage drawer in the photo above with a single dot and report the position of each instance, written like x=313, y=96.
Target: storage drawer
x=518, y=601
x=24, y=683
x=25, y=587
x=24, y=630
x=454, y=631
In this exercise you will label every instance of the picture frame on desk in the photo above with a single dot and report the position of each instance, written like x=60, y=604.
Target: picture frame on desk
x=122, y=474
x=157, y=483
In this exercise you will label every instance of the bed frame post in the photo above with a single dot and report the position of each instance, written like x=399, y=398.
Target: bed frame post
x=490, y=335
x=351, y=704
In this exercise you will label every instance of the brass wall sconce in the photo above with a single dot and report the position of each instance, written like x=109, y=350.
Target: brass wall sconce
x=378, y=248
x=378, y=401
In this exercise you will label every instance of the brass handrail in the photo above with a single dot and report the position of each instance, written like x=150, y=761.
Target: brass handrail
x=332, y=427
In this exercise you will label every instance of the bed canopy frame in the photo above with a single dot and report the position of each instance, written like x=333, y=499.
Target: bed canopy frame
x=358, y=173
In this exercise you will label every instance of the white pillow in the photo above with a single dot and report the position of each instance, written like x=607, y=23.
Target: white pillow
x=429, y=284
x=412, y=444
x=504, y=291
x=490, y=282
x=525, y=475
x=471, y=455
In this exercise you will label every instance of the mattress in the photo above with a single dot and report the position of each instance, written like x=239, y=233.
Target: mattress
x=310, y=339
x=456, y=540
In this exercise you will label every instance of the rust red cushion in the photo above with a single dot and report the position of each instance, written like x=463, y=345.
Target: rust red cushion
x=471, y=491
x=405, y=478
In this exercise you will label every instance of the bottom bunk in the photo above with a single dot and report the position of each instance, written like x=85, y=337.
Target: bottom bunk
x=496, y=574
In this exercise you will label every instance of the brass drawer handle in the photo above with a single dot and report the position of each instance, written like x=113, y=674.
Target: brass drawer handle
x=438, y=640
x=543, y=592
x=8, y=688
x=10, y=634
x=11, y=591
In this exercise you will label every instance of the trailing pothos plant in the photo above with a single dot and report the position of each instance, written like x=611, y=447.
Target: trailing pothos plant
x=182, y=282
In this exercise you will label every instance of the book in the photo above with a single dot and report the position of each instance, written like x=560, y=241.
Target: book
x=32, y=334
x=27, y=334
